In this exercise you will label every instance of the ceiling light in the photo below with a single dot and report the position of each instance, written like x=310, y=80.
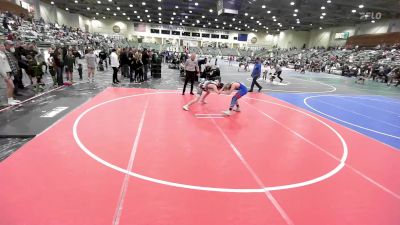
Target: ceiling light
x=141, y=20
x=321, y=17
x=97, y=14
x=88, y=8
x=291, y=3
x=170, y=22
x=310, y=24
x=183, y=21
x=240, y=21
x=66, y=9
x=190, y=11
x=196, y=4
x=192, y=24
x=180, y=24
x=298, y=21
x=203, y=17
x=114, y=14
x=353, y=11
x=361, y=6
x=118, y=8
x=197, y=21
x=268, y=12
x=217, y=26
x=176, y=7
x=159, y=22
x=143, y=3
x=322, y=7
x=329, y=1
x=146, y=10
x=128, y=18
x=251, y=17
x=109, y=0
x=209, y=23
x=159, y=18
x=320, y=28
x=263, y=6
x=372, y=21
x=108, y=9
x=172, y=18
x=211, y=10
x=124, y=14
x=324, y=14
x=148, y=16
x=224, y=23
x=149, y=20
x=246, y=14
x=52, y=3
x=135, y=11
x=138, y=17
x=159, y=14
x=233, y=19
x=76, y=1
x=158, y=0
x=292, y=28
x=296, y=10
x=215, y=20
x=186, y=17
x=130, y=5
x=159, y=8
x=294, y=14
x=104, y=17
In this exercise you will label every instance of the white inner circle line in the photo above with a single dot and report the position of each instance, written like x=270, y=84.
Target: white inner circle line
x=205, y=188
x=343, y=121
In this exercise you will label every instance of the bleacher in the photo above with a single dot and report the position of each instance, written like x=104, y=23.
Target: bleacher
x=196, y=50
x=211, y=51
x=229, y=51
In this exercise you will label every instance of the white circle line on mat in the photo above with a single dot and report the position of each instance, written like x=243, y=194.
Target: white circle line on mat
x=206, y=188
x=343, y=121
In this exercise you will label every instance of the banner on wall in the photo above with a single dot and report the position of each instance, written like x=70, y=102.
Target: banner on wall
x=342, y=36
x=139, y=27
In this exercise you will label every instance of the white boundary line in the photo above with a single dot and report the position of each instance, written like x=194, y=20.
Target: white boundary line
x=124, y=188
x=331, y=155
x=333, y=88
x=31, y=98
x=343, y=121
x=357, y=113
x=255, y=176
x=369, y=106
x=205, y=188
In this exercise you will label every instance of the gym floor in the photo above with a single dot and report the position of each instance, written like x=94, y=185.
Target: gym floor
x=316, y=149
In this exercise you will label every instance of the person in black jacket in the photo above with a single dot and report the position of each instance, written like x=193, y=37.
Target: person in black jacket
x=124, y=63
x=145, y=61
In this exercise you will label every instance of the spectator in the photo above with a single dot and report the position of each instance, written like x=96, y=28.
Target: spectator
x=145, y=61
x=255, y=75
x=115, y=66
x=69, y=65
x=91, y=65
x=6, y=74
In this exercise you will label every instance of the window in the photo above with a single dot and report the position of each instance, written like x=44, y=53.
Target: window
x=195, y=34
x=165, y=31
x=214, y=35
x=155, y=31
x=205, y=35
x=186, y=34
x=224, y=36
x=176, y=32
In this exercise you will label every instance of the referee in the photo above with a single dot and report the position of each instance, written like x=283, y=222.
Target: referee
x=192, y=69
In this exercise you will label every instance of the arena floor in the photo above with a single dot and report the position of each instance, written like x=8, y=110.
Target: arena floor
x=317, y=149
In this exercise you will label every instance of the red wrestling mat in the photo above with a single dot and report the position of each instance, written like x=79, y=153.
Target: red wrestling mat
x=133, y=156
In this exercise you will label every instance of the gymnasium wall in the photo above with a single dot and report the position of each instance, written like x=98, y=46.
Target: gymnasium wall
x=52, y=14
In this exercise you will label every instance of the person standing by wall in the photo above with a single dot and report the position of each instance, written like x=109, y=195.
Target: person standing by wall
x=115, y=66
x=192, y=69
x=255, y=75
x=91, y=65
